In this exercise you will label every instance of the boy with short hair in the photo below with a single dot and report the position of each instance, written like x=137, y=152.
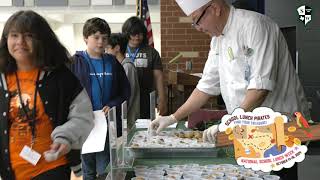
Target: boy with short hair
x=117, y=45
x=106, y=83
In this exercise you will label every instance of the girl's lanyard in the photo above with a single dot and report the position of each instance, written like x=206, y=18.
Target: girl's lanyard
x=32, y=123
x=96, y=75
x=132, y=56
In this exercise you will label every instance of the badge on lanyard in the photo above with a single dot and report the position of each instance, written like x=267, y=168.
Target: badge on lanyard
x=141, y=63
x=247, y=52
x=30, y=155
x=27, y=152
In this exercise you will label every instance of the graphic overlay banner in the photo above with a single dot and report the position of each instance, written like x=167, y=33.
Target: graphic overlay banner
x=259, y=139
x=304, y=14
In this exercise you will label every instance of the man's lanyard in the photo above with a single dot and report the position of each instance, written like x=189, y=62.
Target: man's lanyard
x=32, y=123
x=132, y=56
x=96, y=76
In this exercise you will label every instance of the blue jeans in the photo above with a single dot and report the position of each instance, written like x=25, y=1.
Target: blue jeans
x=94, y=164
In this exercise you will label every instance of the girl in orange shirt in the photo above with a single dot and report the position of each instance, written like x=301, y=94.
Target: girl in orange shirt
x=38, y=136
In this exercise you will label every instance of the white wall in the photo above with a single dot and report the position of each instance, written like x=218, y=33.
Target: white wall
x=65, y=32
x=67, y=22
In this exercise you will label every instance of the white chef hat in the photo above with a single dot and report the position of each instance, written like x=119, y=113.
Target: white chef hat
x=189, y=6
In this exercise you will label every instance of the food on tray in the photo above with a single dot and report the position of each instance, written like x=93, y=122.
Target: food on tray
x=160, y=141
x=172, y=139
x=171, y=177
x=135, y=145
x=189, y=134
x=218, y=174
x=198, y=135
x=210, y=177
x=181, y=135
x=196, y=171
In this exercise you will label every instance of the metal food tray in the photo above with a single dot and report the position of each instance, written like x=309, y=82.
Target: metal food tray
x=158, y=152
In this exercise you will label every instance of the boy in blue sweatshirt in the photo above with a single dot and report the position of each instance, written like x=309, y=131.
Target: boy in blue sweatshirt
x=106, y=83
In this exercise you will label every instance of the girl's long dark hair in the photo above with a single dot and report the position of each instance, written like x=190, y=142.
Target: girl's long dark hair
x=49, y=53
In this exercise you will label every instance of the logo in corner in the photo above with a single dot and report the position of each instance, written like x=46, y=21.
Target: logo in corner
x=304, y=14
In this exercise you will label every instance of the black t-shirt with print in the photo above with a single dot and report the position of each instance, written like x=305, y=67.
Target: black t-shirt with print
x=146, y=60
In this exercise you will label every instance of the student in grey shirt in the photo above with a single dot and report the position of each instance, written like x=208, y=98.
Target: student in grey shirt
x=117, y=45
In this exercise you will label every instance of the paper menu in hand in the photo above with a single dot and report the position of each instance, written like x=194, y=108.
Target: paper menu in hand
x=97, y=137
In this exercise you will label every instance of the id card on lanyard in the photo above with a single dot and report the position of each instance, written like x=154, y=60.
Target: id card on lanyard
x=138, y=62
x=27, y=152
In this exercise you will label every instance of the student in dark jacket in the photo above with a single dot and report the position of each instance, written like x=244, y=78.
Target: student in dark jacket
x=43, y=105
x=106, y=83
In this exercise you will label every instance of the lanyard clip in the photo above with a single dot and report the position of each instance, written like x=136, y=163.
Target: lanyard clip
x=32, y=143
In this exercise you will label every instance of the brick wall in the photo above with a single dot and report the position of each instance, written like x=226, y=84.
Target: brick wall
x=177, y=35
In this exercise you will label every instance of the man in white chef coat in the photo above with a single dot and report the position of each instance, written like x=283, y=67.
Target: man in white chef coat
x=248, y=63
